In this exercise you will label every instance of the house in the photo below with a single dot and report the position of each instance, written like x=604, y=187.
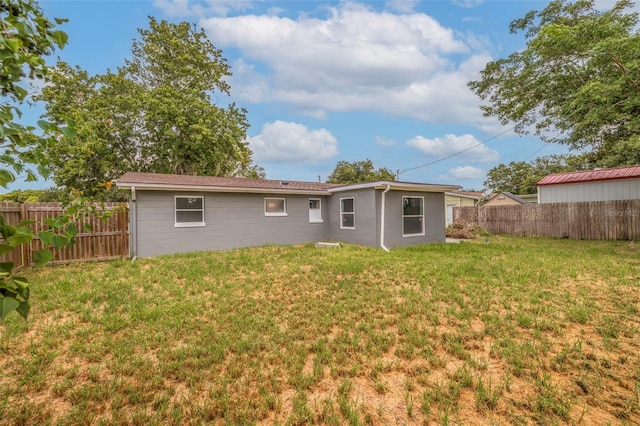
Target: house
x=530, y=198
x=177, y=213
x=619, y=183
x=460, y=199
x=504, y=199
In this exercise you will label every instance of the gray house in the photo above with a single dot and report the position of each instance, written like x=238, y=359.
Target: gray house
x=176, y=213
x=618, y=183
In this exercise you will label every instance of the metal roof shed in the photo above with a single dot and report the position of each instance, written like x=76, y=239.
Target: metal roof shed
x=619, y=183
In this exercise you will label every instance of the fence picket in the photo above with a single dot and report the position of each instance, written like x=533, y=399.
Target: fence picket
x=598, y=220
x=106, y=240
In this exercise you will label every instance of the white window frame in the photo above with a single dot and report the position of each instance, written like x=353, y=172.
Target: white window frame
x=413, y=215
x=176, y=210
x=319, y=219
x=342, y=213
x=282, y=213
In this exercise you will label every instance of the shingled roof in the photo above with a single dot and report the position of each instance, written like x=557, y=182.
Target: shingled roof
x=626, y=172
x=159, y=180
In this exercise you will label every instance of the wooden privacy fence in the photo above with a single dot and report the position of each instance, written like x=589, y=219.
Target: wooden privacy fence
x=104, y=240
x=598, y=220
x=12, y=215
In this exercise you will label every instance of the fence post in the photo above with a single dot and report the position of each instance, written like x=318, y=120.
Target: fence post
x=25, y=249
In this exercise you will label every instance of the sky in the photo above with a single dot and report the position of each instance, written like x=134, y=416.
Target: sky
x=327, y=81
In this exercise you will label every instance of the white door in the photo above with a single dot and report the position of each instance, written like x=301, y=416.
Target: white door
x=450, y=213
x=315, y=212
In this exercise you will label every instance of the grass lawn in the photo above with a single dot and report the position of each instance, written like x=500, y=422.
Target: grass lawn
x=513, y=331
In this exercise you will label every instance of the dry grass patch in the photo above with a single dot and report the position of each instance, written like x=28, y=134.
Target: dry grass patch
x=516, y=331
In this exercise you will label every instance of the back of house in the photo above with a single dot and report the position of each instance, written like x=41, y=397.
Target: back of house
x=176, y=213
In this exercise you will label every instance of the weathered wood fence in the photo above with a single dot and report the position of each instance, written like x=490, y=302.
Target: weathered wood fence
x=104, y=240
x=600, y=220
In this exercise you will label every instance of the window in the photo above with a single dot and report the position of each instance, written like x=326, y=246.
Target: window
x=347, y=213
x=275, y=206
x=189, y=211
x=315, y=212
x=412, y=216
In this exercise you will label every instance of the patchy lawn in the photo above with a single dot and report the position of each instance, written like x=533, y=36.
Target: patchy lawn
x=513, y=331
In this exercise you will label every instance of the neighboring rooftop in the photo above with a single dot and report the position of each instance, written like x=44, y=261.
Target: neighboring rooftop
x=626, y=172
x=510, y=195
x=467, y=194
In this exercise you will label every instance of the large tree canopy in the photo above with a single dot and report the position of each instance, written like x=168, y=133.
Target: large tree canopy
x=154, y=114
x=520, y=177
x=26, y=36
x=358, y=172
x=577, y=81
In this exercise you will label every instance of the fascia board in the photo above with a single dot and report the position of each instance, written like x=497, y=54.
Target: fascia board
x=398, y=186
x=190, y=188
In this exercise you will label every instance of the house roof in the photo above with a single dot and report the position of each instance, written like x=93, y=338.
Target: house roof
x=397, y=186
x=626, y=172
x=186, y=182
x=512, y=196
x=466, y=194
x=158, y=181
x=516, y=198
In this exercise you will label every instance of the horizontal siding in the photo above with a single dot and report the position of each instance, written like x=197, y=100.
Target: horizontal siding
x=232, y=221
x=459, y=201
x=621, y=189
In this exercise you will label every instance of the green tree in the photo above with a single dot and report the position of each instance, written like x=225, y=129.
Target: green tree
x=26, y=36
x=359, y=171
x=154, y=114
x=622, y=153
x=577, y=82
x=23, y=196
x=516, y=177
x=520, y=177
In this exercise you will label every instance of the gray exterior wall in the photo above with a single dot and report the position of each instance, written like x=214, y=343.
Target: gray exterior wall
x=620, y=189
x=368, y=208
x=366, y=231
x=434, y=219
x=232, y=221
x=238, y=220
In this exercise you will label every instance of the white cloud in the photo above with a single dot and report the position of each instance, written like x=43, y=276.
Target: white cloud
x=467, y=146
x=467, y=172
x=355, y=59
x=193, y=8
x=174, y=8
x=316, y=113
x=282, y=141
x=467, y=3
x=382, y=141
x=402, y=6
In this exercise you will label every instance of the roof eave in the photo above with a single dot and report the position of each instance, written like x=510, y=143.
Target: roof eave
x=453, y=194
x=397, y=186
x=208, y=188
x=588, y=181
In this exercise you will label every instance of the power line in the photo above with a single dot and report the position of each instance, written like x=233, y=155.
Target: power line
x=537, y=151
x=459, y=152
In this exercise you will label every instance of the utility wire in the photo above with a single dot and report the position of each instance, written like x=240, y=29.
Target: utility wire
x=459, y=152
x=537, y=151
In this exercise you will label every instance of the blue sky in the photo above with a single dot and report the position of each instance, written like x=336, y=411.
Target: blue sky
x=325, y=81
